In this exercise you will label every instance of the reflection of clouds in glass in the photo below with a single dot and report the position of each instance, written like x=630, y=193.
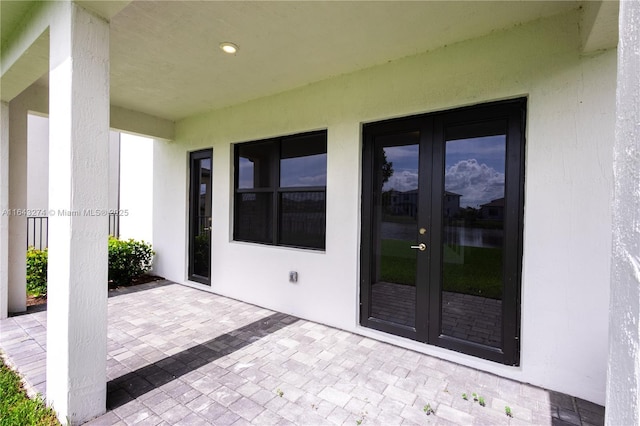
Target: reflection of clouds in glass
x=404, y=161
x=477, y=183
x=318, y=180
x=309, y=170
x=489, y=150
x=402, y=181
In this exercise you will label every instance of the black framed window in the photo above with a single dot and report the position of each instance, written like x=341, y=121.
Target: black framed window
x=280, y=191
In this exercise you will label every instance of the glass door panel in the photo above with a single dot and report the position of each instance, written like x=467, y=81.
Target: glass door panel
x=393, y=286
x=200, y=219
x=472, y=236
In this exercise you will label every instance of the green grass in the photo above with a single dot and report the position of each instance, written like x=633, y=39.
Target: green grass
x=469, y=270
x=16, y=408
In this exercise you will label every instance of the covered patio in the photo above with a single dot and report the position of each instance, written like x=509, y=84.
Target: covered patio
x=178, y=355
x=552, y=84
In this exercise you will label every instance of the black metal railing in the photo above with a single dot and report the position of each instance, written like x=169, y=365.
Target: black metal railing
x=38, y=232
x=114, y=224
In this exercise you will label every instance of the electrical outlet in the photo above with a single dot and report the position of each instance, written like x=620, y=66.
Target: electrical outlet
x=293, y=277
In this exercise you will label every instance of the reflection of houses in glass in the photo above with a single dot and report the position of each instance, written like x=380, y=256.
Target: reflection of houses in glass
x=204, y=204
x=406, y=203
x=493, y=210
x=451, y=206
x=403, y=203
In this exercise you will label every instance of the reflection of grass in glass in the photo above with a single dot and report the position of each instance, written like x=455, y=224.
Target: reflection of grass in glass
x=479, y=271
x=470, y=270
x=398, y=262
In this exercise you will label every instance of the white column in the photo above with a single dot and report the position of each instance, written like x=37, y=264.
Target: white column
x=623, y=372
x=4, y=207
x=17, y=204
x=78, y=187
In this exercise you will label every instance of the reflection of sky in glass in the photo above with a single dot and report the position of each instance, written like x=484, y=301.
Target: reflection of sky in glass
x=489, y=150
x=205, y=174
x=405, y=168
x=474, y=168
x=245, y=173
x=310, y=170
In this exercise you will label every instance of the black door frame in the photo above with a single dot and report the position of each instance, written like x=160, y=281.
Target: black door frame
x=194, y=218
x=428, y=303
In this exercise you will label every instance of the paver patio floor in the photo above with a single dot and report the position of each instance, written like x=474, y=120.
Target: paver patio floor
x=178, y=355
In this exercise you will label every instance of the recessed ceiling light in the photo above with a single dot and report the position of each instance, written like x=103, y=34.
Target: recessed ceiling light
x=228, y=47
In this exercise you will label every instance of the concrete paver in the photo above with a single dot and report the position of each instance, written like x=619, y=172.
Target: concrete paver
x=177, y=355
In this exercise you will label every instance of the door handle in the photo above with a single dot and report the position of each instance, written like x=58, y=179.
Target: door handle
x=421, y=247
x=207, y=229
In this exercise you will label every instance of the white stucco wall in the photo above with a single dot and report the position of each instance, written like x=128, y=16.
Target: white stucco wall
x=38, y=164
x=114, y=169
x=565, y=283
x=623, y=393
x=136, y=187
x=4, y=205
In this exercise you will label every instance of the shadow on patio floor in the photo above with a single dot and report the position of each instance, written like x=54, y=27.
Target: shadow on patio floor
x=137, y=383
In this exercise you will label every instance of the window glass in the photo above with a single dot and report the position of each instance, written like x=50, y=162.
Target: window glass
x=254, y=217
x=302, y=219
x=254, y=165
x=303, y=161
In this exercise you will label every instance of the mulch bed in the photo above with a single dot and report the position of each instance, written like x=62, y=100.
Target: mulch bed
x=142, y=279
x=35, y=301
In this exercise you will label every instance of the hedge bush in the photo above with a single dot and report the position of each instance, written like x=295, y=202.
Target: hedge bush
x=127, y=259
x=37, y=272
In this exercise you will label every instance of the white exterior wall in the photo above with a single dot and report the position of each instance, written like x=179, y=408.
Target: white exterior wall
x=4, y=205
x=570, y=127
x=38, y=164
x=136, y=187
x=17, y=261
x=114, y=170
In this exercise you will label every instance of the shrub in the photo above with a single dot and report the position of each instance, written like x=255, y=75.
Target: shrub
x=128, y=259
x=36, y=272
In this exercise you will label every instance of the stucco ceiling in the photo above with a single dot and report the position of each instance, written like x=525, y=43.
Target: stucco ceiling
x=165, y=58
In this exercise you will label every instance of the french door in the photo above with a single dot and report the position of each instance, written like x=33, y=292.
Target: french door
x=200, y=216
x=442, y=210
